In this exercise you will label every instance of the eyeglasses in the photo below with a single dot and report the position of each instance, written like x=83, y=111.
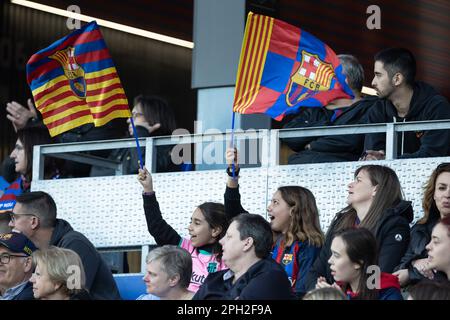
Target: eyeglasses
x=137, y=114
x=5, y=258
x=14, y=216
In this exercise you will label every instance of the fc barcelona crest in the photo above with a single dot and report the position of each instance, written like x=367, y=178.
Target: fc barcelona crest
x=72, y=71
x=311, y=76
x=287, y=258
x=212, y=267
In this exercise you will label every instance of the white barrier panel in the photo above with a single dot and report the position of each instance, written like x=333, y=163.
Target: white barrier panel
x=328, y=181
x=109, y=210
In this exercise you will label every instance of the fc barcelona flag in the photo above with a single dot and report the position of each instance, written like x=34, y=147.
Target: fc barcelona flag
x=74, y=82
x=8, y=199
x=283, y=68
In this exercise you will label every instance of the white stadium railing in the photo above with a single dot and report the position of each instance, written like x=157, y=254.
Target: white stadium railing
x=108, y=210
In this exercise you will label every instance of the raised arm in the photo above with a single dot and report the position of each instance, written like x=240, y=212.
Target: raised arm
x=232, y=197
x=157, y=226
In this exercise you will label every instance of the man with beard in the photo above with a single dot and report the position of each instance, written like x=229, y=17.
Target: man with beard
x=402, y=99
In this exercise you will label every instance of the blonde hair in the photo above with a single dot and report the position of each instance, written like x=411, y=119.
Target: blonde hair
x=325, y=294
x=58, y=263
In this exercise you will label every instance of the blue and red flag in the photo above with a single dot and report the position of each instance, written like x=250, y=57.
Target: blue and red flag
x=3, y=184
x=74, y=82
x=283, y=68
x=8, y=199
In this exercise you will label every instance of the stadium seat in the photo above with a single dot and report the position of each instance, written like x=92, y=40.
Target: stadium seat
x=130, y=285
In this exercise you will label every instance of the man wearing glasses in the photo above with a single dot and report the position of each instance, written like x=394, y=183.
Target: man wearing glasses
x=35, y=215
x=16, y=266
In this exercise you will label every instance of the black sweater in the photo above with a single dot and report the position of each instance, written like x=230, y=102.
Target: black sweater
x=161, y=231
x=426, y=104
x=347, y=147
x=420, y=237
x=265, y=280
x=392, y=238
x=157, y=226
x=99, y=279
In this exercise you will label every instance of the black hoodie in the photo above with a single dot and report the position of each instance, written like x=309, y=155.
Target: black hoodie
x=420, y=237
x=329, y=148
x=129, y=158
x=392, y=234
x=264, y=280
x=426, y=104
x=99, y=279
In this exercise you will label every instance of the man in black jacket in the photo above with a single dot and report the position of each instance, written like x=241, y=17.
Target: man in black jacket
x=338, y=112
x=253, y=275
x=16, y=266
x=404, y=100
x=35, y=215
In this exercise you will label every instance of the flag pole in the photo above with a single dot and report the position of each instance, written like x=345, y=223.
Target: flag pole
x=233, y=168
x=141, y=162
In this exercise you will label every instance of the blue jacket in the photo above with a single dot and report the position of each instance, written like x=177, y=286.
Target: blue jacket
x=296, y=259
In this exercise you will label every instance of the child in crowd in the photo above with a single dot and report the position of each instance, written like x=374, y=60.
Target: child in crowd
x=439, y=248
x=354, y=267
x=208, y=225
x=294, y=220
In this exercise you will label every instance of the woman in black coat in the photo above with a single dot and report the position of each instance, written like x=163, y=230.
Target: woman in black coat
x=436, y=205
x=152, y=117
x=374, y=202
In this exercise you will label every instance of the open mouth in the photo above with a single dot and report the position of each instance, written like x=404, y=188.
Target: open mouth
x=271, y=218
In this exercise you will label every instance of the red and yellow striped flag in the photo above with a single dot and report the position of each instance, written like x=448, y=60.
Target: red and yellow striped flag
x=74, y=82
x=255, y=45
